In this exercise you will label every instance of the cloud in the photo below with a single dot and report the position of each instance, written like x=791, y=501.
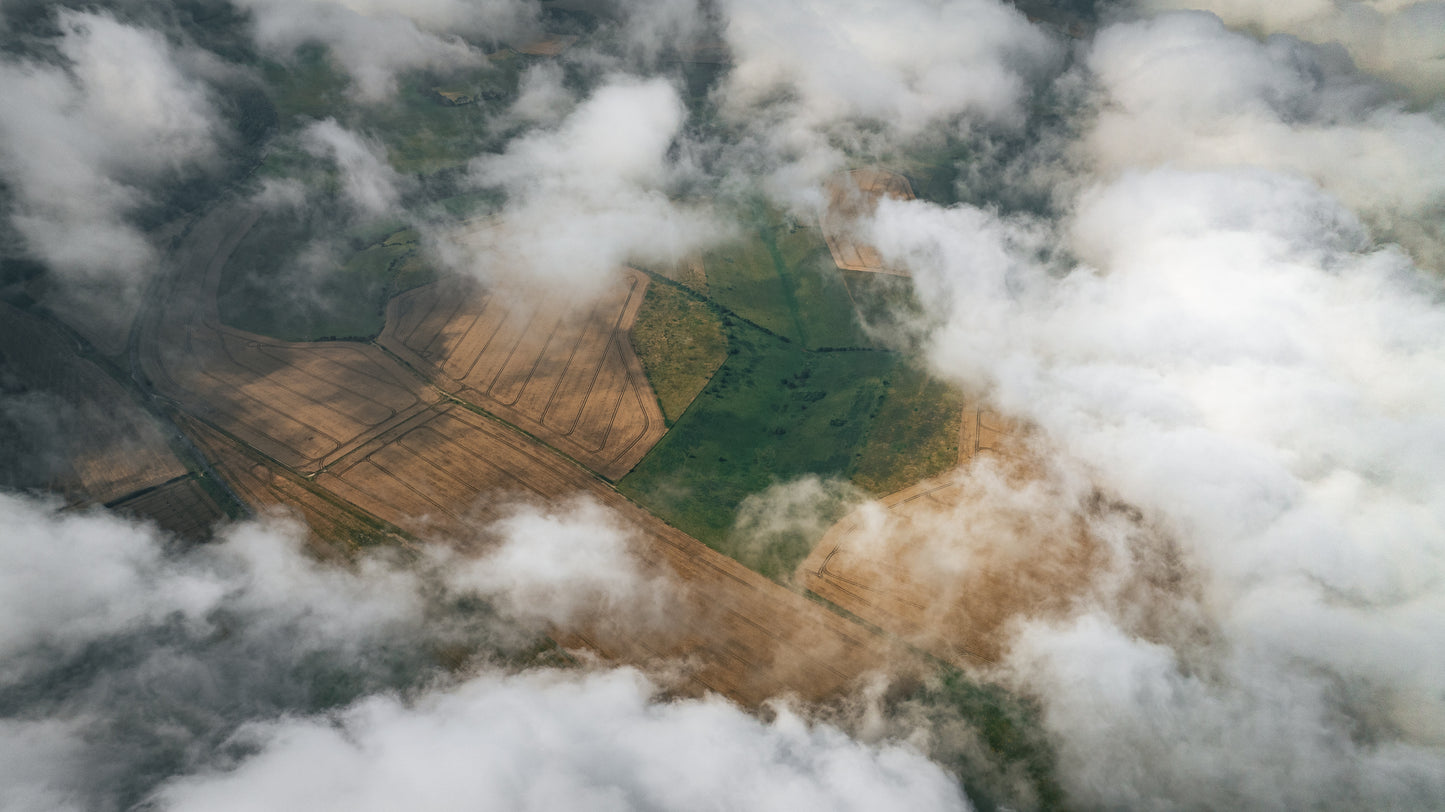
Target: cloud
x=551, y=740
x=375, y=40
x=1400, y=40
x=1182, y=90
x=1239, y=362
x=564, y=566
x=246, y=673
x=814, y=82
x=587, y=196
x=368, y=182
x=82, y=143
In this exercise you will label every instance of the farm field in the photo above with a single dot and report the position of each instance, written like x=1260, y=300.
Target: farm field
x=851, y=196
x=445, y=474
x=99, y=445
x=565, y=373
x=430, y=468
x=335, y=527
x=181, y=507
x=422, y=134
x=262, y=290
x=881, y=562
x=780, y=276
x=299, y=404
x=774, y=412
x=680, y=341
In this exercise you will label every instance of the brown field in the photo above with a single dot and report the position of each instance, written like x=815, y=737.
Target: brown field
x=947, y=563
x=851, y=196
x=300, y=404
x=105, y=445
x=985, y=431
x=551, y=45
x=563, y=373
x=448, y=473
x=180, y=507
x=336, y=527
x=374, y=447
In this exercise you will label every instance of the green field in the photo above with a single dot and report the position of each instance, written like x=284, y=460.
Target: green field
x=680, y=341
x=990, y=738
x=780, y=275
x=422, y=133
x=265, y=290
x=774, y=412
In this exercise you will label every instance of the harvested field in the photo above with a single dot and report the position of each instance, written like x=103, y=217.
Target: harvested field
x=564, y=373
x=552, y=45
x=946, y=563
x=985, y=431
x=300, y=404
x=99, y=445
x=447, y=473
x=851, y=196
x=335, y=526
x=180, y=507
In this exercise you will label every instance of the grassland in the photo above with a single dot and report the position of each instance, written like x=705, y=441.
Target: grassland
x=915, y=435
x=268, y=289
x=680, y=341
x=423, y=134
x=1010, y=761
x=775, y=411
x=780, y=275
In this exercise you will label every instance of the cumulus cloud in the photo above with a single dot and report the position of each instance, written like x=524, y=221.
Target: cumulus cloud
x=246, y=673
x=1182, y=90
x=1400, y=40
x=375, y=40
x=563, y=566
x=1239, y=362
x=368, y=182
x=83, y=142
x=549, y=740
x=815, y=82
x=589, y=195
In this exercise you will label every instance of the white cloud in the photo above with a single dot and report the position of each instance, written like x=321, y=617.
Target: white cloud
x=589, y=195
x=368, y=181
x=1400, y=40
x=1239, y=363
x=554, y=740
x=246, y=674
x=68, y=579
x=815, y=81
x=563, y=566
x=375, y=40
x=1182, y=90
x=82, y=143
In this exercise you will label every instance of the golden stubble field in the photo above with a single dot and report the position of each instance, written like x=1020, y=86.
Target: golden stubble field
x=851, y=196
x=948, y=563
x=427, y=445
x=562, y=371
